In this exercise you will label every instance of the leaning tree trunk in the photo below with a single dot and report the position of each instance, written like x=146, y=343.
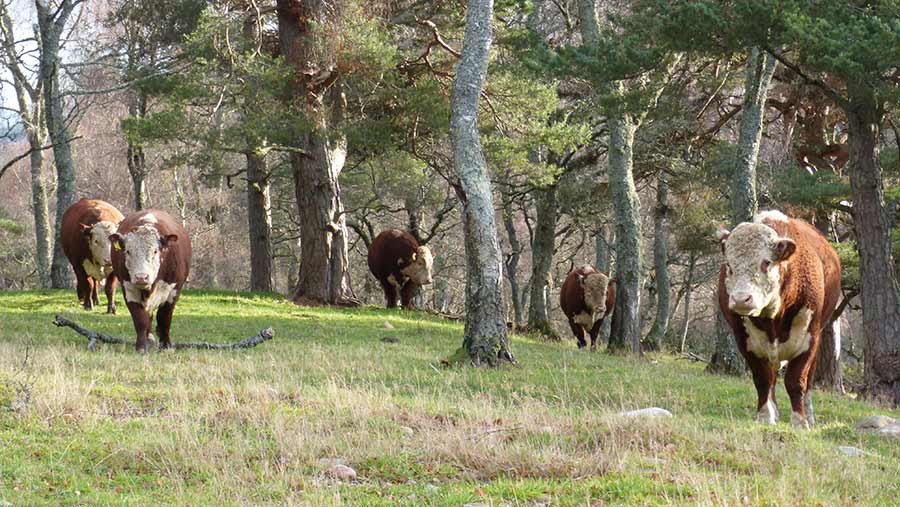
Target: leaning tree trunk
x=760, y=67
x=688, y=294
x=259, y=219
x=137, y=162
x=317, y=94
x=511, y=266
x=542, y=262
x=485, y=341
x=603, y=262
x=50, y=27
x=880, y=294
x=626, y=318
x=661, y=265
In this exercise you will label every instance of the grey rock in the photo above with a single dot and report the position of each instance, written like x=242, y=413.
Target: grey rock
x=880, y=425
x=431, y=489
x=342, y=472
x=647, y=412
x=849, y=450
x=4, y=503
x=407, y=431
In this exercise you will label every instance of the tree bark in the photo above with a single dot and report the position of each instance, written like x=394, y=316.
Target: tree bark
x=317, y=93
x=259, y=217
x=511, y=265
x=661, y=265
x=603, y=261
x=485, y=340
x=51, y=24
x=688, y=294
x=760, y=68
x=880, y=294
x=137, y=162
x=542, y=262
x=41, y=210
x=626, y=319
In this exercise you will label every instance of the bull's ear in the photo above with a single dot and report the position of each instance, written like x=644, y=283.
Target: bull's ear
x=784, y=248
x=116, y=241
x=167, y=241
x=85, y=230
x=722, y=234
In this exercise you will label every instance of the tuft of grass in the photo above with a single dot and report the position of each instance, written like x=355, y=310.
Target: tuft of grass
x=252, y=427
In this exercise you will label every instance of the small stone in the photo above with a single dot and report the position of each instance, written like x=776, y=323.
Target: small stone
x=848, y=450
x=388, y=325
x=475, y=504
x=4, y=503
x=342, y=472
x=390, y=339
x=406, y=430
x=329, y=462
x=431, y=489
x=647, y=412
x=412, y=497
x=880, y=425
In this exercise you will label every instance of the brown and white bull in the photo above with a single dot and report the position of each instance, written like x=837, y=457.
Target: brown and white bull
x=84, y=236
x=152, y=255
x=778, y=288
x=587, y=297
x=400, y=265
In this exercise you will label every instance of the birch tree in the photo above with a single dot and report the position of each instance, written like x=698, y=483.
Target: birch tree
x=485, y=340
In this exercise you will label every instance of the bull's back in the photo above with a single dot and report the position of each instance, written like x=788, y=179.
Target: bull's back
x=571, y=294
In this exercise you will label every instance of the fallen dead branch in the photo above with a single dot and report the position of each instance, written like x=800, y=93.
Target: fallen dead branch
x=94, y=337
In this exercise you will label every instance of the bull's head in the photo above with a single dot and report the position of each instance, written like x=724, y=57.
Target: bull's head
x=143, y=249
x=594, y=286
x=755, y=258
x=418, y=266
x=97, y=237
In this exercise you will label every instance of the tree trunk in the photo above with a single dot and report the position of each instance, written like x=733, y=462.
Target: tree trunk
x=259, y=218
x=542, y=262
x=760, y=67
x=689, y=292
x=41, y=210
x=317, y=93
x=829, y=374
x=485, y=340
x=603, y=257
x=880, y=295
x=51, y=24
x=137, y=163
x=511, y=266
x=626, y=319
x=661, y=265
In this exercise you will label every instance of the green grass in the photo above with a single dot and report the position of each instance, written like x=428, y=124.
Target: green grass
x=250, y=427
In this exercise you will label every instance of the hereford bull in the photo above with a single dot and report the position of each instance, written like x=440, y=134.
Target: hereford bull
x=152, y=256
x=84, y=236
x=400, y=265
x=587, y=298
x=778, y=288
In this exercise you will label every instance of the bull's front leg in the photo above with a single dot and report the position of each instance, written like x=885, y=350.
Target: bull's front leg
x=111, y=282
x=141, y=320
x=408, y=294
x=764, y=379
x=164, y=324
x=797, y=382
x=390, y=293
x=595, y=332
x=578, y=331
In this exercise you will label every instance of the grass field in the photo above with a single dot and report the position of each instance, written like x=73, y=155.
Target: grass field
x=252, y=427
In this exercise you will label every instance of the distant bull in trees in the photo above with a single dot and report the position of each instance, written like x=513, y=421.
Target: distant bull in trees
x=587, y=298
x=778, y=288
x=400, y=265
x=84, y=236
x=152, y=255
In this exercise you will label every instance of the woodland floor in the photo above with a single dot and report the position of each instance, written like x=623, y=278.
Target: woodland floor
x=251, y=427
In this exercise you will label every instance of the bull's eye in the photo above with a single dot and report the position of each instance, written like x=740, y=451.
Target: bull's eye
x=764, y=265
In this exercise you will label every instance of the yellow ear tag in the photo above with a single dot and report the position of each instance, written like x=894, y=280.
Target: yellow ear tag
x=117, y=247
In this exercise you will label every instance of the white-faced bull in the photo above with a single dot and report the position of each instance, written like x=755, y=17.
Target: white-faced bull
x=400, y=264
x=778, y=288
x=84, y=236
x=152, y=255
x=587, y=298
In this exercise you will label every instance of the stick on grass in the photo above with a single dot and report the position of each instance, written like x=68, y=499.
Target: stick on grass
x=94, y=337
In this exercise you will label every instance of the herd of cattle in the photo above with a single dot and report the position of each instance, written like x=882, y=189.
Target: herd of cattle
x=778, y=286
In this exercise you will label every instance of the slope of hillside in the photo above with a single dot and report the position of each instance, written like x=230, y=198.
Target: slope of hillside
x=262, y=426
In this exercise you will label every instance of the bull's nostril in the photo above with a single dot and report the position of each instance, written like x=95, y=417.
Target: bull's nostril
x=748, y=298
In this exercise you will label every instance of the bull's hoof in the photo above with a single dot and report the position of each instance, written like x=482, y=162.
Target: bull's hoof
x=111, y=311
x=767, y=414
x=799, y=421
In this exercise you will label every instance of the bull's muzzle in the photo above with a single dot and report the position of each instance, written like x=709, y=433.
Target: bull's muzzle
x=141, y=280
x=742, y=303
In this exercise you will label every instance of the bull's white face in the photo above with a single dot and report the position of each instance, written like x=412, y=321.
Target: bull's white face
x=419, y=269
x=754, y=262
x=143, y=248
x=98, y=241
x=594, y=286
